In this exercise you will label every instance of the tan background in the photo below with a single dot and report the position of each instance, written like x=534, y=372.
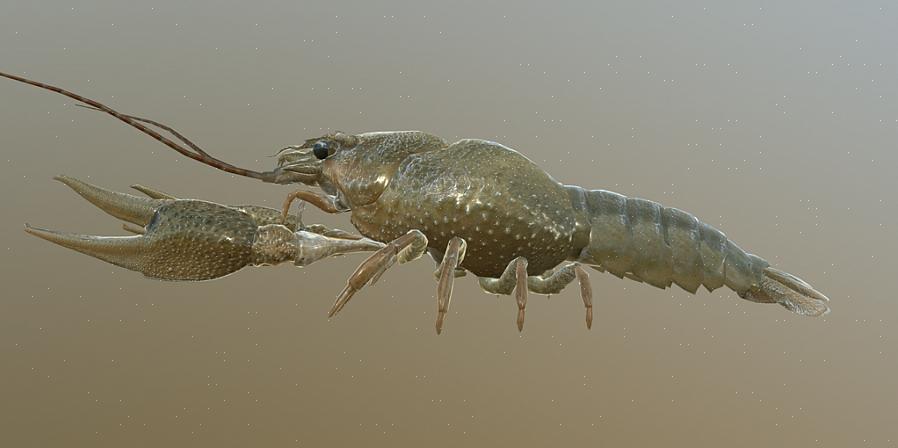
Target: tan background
x=777, y=123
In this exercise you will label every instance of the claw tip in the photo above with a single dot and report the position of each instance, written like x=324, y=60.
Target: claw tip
x=30, y=229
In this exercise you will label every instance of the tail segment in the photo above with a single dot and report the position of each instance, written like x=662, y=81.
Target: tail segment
x=645, y=241
x=791, y=292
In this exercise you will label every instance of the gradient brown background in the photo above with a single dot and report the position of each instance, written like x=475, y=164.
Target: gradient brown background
x=777, y=123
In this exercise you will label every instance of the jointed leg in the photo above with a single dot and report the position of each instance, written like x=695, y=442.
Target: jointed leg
x=559, y=279
x=585, y=293
x=403, y=249
x=437, y=257
x=503, y=285
x=320, y=200
x=520, y=289
x=515, y=278
x=455, y=254
x=554, y=282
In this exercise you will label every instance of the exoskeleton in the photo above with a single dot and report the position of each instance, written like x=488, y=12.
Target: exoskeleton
x=473, y=205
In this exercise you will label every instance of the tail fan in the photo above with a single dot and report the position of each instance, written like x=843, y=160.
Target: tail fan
x=791, y=292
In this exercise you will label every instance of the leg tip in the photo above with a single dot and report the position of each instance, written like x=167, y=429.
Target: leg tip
x=333, y=311
x=341, y=301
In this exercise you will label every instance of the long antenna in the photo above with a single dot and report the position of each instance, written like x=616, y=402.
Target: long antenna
x=159, y=125
x=196, y=154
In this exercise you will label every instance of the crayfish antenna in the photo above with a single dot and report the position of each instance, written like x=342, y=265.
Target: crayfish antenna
x=194, y=152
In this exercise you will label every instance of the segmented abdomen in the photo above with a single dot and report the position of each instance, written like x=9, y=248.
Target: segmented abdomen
x=645, y=241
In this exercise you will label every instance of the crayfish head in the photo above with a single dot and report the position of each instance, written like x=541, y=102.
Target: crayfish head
x=303, y=163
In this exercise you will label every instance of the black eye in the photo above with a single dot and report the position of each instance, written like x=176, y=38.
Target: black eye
x=320, y=149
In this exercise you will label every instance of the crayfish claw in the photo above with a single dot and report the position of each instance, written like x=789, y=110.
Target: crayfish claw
x=121, y=251
x=187, y=239
x=130, y=208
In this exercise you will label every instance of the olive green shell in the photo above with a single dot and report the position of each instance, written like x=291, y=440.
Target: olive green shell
x=497, y=200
